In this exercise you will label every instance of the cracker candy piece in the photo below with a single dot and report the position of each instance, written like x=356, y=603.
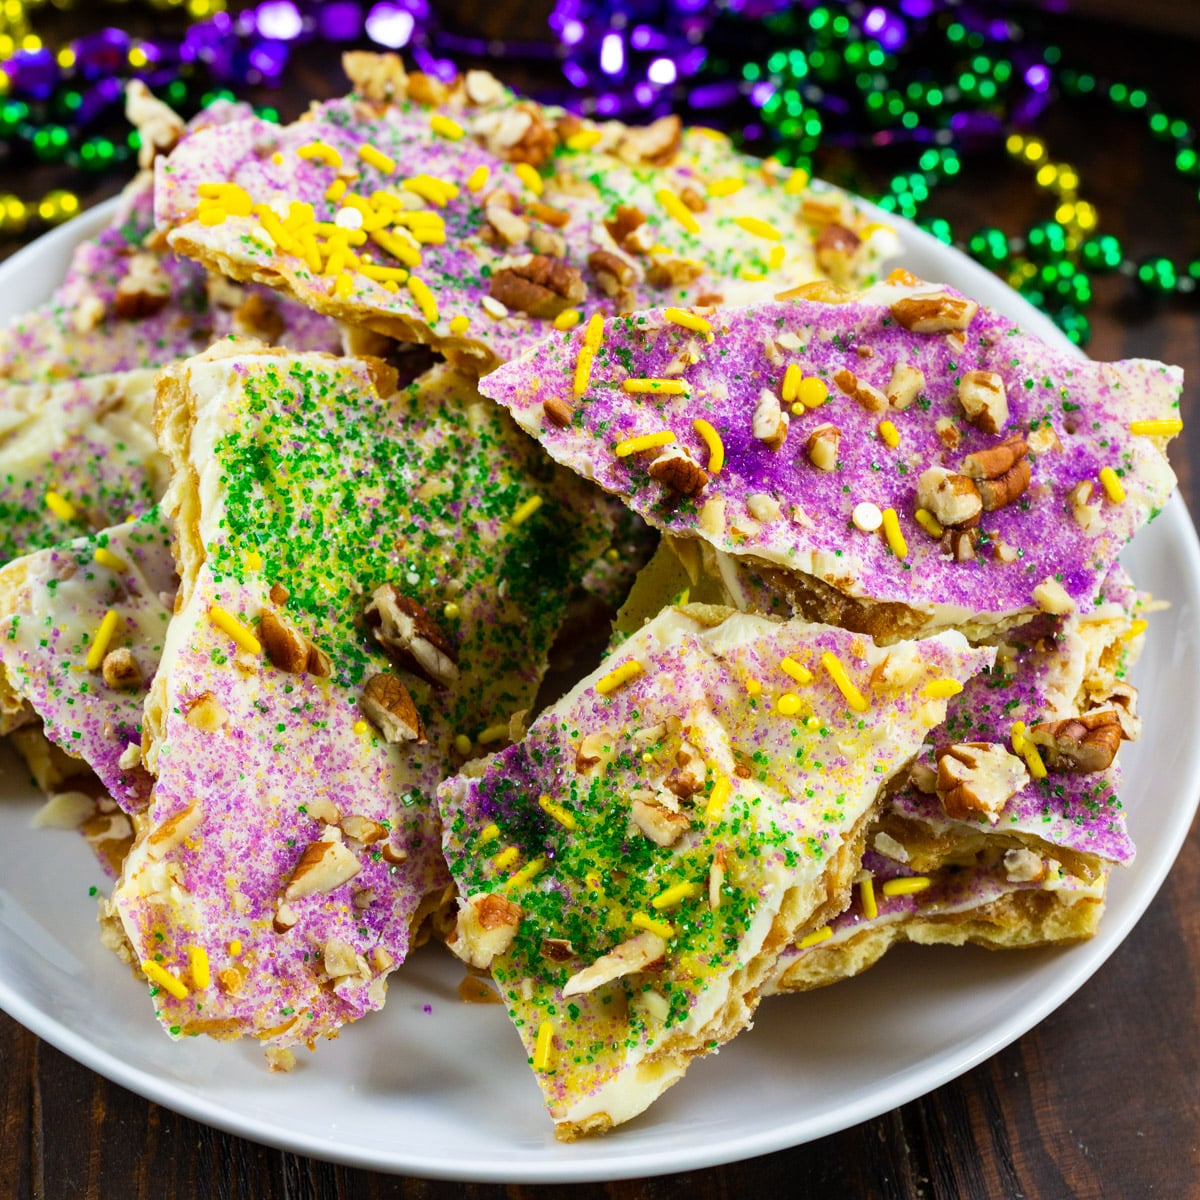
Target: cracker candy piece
x=631, y=870
x=291, y=850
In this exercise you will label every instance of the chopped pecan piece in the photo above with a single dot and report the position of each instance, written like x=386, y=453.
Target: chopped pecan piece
x=960, y=544
x=953, y=499
x=483, y=88
x=655, y=144
x=613, y=273
x=982, y=395
x=508, y=228
x=204, y=712
x=1053, y=598
x=769, y=423
x=672, y=272
x=386, y=702
x=1002, y=472
x=548, y=215
x=662, y=826
x=1079, y=745
x=978, y=777
x=905, y=385
x=558, y=412
x=120, y=669
x=549, y=243
x=427, y=90
x=623, y=222
x=144, y=289
x=557, y=949
x=822, y=446
x=410, y=636
x=485, y=927
x=518, y=134
x=173, y=831
x=538, y=285
x=323, y=866
x=376, y=77
x=288, y=649
x=836, y=246
x=1086, y=514
x=676, y=468
x=693, y=199
x=637, y=953
x=938, y=312
x=872, y=399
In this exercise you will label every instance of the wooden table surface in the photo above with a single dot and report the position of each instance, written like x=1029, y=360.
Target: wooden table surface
x=1102, y=1099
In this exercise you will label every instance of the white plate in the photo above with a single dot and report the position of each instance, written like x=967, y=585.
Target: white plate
x=436, y=1088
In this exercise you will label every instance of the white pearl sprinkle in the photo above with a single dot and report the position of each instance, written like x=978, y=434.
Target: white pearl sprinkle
x=867, y=517
x=348, y=218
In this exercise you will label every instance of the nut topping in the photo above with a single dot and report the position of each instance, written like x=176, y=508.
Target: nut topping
x=485, y=927
x=1023, y=866
x=483, y=88
x=676, y=468
x=363, y=829
x=1051, y=597
x=558, y=412
x=935, y=313
x=613, y=273
x=120, y=669
x=627, y=218
x=905, y=385
x=386, y=703
x=635, y=954
x=769, y=423
x=960, y=544
x=1086, y=514
x=978, y=777
x=835, y=248
x=1079, y=745
x=173, y=831
x=508, y=228
x=982, y=395
x=822, y=446
x=517, y=134
x=953, y=499
x=662, y=826
x=872, y=399
x=655, y=144
x=205, y=713
x=288, y=649
x=1001, y=471
x=322, y=867
x=538, y=285
x=410, y=636
x=144, y=290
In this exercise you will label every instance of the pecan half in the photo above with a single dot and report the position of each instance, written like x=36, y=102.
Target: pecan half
x=938, y=312
x=539, y=285
x=978, y=777
x=1001, y=471
x=613, y=273
x=676, y=468
x=288, y=649
x=410, y=636
x=386, y=702
x=485, y=926
x=1079, y=745
x=822, y=446
x=872, y=399
x=953, y=499
x=984, y=400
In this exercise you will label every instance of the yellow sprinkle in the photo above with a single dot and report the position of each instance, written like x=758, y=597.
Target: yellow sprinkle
x=494, y=733
x=796, y=182
x=753, y=687
x=677, y=209
x=343, y=286
x=891, y=531
x=906, y=885
x=618, y=678
x=198, y=967
x=436, y=191
x=928, y=522
x=235, y=947
x=529, y=176
x=789, y=704
x=889, y=433
x=751, y=273
x=459, y=325
x=565, y=818
x=1113, y=488
x=592, y=337
x=641, y=920
x=384, y=274
x=277, y=159
x=942, y=689
x=478, y=178
x=722, y=789
x=336, y=190
x=100, y=643
x=658, y=387
x=812, y=392
x=360, y=727
x=812, y=939
x=106, y=558
x=451, y=611
x=675, y=895
x=528, y=872
x=837, y=673
x=776, y=257
x=424, y=298
x=866, y=893
x=462, y=744
x=1033, y=760
x=253, y=560
x=758, y=227
x=584, y=139
x=567, y=319
x=228, y=623
x=688, y=320
x=322, y=150
x=506, y=858
x=789, y=666
x=525, y=510
x=712, y=439
x=164, y=979
x=210, y=191
x=397, y=247
x=790, y=388
x=445, y=127
x=648, y=441
x=1135, y=628
x=489, y=833
x=713, y=135
x=376, y=159
x=543, y=1046
x=727, y=186
x=812, y=723
x=1165, y=428
x=212, y=216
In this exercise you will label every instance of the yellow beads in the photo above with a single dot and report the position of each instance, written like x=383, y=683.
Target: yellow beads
x=647, y=441
x=891, y=531
x=198, y=967
x=942, y=689
x=866, y=895
x=543, y=1046
x=229, y=624
x=837, y=673
x=446, y=127
x=815, y=938
x=102, y=640
x=557, y=813
x=812, y=392
x=758, y=228
x=592, y=337
x=789, y=704
x=618, y=678
x=655, y=387
x=1164, y=428
x=1111, y=483
x=60, y=506
x=478, y=178
x=717, y=799
x=567, y=319
x=726, y=187
x=424, y=298
x=789, y=666
x=712, y=439
x=524, y=511
x=928, y=522
x=106, y=558
x=377, y=159
x=688, y=320
x=676, y=208
x=889, y=434
x=320, y=150
x=675, y=895
x=164, y=979
x=906, y=885
x=641, y=920
x=529, y=176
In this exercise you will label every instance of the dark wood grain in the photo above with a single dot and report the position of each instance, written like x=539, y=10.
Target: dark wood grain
x=1102, y=1099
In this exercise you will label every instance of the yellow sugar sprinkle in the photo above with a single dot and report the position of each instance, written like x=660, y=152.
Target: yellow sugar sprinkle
x=106, y=558
x=658, y=387
x=100, y=643
x=478, y=178
x=459, y=325
x=198, y=967
x=343, y=285
x=866, y=894
x=506, y=858
x=676, y=895
x=1111, y=482
x=567, y=319
x=445, y=127
x=722, y=789
x=812, y=392
x=758, y=228
x=212, y=216
x=817, y=936
x=529, y=871
x=727, y=186
x=494, y=733
x=618, y=678
x=790, y=388
x=377, y=159
x=489, y=833
x=789, y=704
x=753, y=687
x=837, y=673
x=384, y=274
x=928, y=522
x=558, y=813
x=525, y=510
x=397, y=247
x=424, y=298
x=336, y=190
x=227, y=623
x=676, y=208
x=235, y=947
x=776, y=257
x=60, y=506
x=789, y=666
x=688, y=320
x=648, y=441
x=592, y=337
x=712, y=439
x=641, y=920
x=1165, y=428
x=891, y=531
x=529, y=176
x=253, y=560
x=360, y=727
x=889, y=434
x=906, y=885
x=942, y=689
x=584, y=139
x=1135, y=628
x=543, y=1046
x=164, y=979
x=462, y=744
x=796, y=182
x=322, y=150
